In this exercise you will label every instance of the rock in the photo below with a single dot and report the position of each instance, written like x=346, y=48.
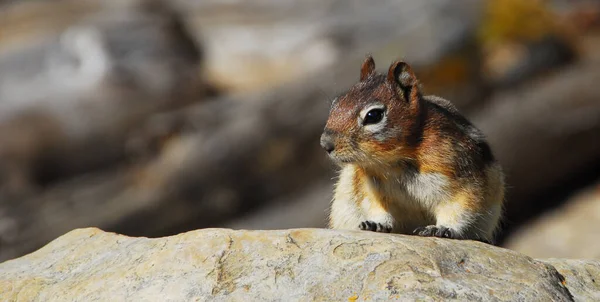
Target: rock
x=581, y=277
x=287, y=265
x=570, y=231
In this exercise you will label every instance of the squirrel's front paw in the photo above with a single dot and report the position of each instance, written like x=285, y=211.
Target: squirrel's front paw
x=375, y=227
x=435, y=231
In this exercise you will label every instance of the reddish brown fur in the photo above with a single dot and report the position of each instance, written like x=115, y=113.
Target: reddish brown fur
x=367, y=68
x=424, y=136
x=402, y=112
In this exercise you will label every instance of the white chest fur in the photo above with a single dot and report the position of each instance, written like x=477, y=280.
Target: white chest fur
x=424, y=190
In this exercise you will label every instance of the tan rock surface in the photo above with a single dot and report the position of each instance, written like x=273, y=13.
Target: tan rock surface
x=283, y=265
x=581, y=276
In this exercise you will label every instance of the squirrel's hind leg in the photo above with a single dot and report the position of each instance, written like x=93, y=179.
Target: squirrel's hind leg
x=461, y=217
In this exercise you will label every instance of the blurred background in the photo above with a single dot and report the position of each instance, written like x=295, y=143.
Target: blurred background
x=151, y=118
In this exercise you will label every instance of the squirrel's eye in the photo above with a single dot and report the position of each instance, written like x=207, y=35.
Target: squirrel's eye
x=374, y=116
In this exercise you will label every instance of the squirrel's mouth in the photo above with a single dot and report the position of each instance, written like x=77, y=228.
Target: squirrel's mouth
x=346, y=160
x=341, y=159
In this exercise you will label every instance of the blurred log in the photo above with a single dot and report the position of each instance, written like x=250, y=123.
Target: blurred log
x=544, y=134
x=255, y=45
x=230, y=155
x=75, y=76
x=569, y=231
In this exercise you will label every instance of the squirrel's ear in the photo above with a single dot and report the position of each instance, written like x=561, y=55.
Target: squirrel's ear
x=367, y=68
x=401, y=74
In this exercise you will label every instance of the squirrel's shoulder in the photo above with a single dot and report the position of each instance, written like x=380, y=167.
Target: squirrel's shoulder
x=441, y=102
x=449, y=112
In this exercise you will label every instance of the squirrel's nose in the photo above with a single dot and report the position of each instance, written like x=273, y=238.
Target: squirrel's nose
x=327, y=143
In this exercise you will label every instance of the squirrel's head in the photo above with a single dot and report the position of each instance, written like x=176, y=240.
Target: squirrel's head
x=376, y=121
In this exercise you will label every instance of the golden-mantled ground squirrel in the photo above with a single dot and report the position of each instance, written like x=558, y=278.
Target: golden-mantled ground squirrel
x=410, y=164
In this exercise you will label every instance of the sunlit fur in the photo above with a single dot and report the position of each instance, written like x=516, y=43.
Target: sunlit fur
x=423, y=165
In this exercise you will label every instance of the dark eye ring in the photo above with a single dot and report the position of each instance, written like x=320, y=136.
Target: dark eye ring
x=374, y=116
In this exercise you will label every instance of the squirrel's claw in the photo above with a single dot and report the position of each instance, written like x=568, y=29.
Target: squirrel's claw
x=374, y=227
x=435, y=231
x=443, y=232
